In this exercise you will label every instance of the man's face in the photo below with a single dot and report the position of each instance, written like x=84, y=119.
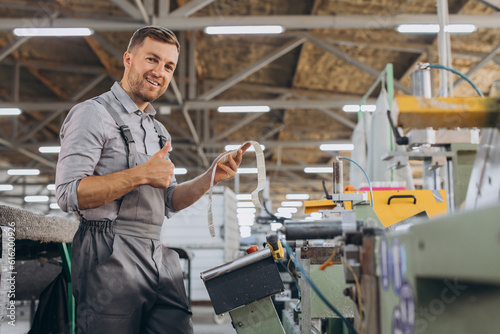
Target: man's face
x=148, y=70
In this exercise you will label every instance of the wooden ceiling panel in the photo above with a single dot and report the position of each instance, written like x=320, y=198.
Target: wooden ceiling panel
x=483, y=78
x=62, y=50
x=31, y=88
x=379, y=7
x=220, y=57
x=320, y=70
x=482, y=40
x=255, y=7
x=100, y=88
x=279, y=73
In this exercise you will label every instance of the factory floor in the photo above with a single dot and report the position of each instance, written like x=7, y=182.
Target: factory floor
x=204, y=319
x=206, y=322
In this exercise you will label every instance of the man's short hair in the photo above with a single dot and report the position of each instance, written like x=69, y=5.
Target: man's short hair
x=157, y=33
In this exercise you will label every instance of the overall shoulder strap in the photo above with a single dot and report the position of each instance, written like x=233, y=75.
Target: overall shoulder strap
x=124, y=129
x=163, y=139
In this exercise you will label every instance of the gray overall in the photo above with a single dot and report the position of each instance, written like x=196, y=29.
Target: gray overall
x=124, y=281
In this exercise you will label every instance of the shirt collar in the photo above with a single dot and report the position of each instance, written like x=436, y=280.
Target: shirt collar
x=127, y=102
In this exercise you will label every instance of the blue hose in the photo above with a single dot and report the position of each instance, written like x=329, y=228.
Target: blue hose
x=313, y=286
x=463, y=76
x=367, y=178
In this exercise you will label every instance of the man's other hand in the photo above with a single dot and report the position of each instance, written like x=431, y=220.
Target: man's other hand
x=227, y=170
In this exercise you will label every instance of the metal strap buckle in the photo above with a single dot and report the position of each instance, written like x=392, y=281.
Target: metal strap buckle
x=127, y=134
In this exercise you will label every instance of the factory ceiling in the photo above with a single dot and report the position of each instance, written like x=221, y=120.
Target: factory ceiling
x=329, y=55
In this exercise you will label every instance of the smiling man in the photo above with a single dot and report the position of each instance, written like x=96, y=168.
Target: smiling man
x=114, y=172
x=149, y=69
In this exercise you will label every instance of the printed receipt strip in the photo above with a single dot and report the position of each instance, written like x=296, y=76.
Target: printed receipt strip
x=261, y=175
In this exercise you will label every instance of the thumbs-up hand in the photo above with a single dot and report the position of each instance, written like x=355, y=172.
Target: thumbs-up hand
x=163, y=151
x=158, y=170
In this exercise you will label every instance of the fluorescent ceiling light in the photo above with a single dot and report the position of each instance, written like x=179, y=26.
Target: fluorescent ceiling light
x=291, y=203
x=357, y=107
x=245, y=205
x=418, y=28
x=10, y=111
x=245, y=231
x=6, y=187
x=287, y=210
x=243, y=109
x=232, y=30
x=242, y=170
x=51, y=187
x=23, y=172
x=336, y=147
x=460, y=28
x=36, y=199
x=245, y=216
x=297, y=196
x=276, y=226
x=52, y=32
x=54, y=206
x=49, y=149
x=313, y=170
x=246, y=219
x=245, y=222
x=434, y=28
x=246, y=210
x=244, y=197
x=180, y=171
x=232, y=147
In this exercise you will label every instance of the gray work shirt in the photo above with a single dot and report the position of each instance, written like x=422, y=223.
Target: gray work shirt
x=91, y=144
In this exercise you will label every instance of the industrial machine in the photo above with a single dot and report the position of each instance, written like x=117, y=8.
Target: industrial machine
x=244, y=287
x=357, y=273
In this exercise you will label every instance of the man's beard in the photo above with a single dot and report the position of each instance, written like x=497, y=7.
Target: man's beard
x=140, y=90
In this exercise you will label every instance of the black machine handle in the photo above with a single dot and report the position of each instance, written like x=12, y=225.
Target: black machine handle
x=272, y=240
x=399, y=139
x=328, y=196
x=402, y=196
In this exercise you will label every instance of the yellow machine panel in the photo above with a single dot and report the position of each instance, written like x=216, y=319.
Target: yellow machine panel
x=314, y=206
x=393, y=206
x=447, y=112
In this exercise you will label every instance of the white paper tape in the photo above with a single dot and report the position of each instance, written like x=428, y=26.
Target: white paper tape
x=256, y=194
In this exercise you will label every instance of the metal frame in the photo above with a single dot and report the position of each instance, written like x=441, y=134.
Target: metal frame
x=65, y=250
x=290, y=22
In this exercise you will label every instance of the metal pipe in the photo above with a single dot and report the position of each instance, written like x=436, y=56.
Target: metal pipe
x=420, y=83
x=326, y=229
x=338, y=177
x=444, y=49
x=450, y=193
x=236, y=264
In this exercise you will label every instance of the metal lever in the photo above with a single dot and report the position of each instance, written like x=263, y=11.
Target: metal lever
x=328, y=196
x=399, y=139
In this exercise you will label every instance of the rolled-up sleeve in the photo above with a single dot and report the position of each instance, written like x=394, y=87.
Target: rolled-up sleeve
x=82, y=139
x=169, y=191
x=169, y=206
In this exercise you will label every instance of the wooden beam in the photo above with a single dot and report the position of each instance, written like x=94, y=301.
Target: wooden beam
x=107, y=60
x=58, y=91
